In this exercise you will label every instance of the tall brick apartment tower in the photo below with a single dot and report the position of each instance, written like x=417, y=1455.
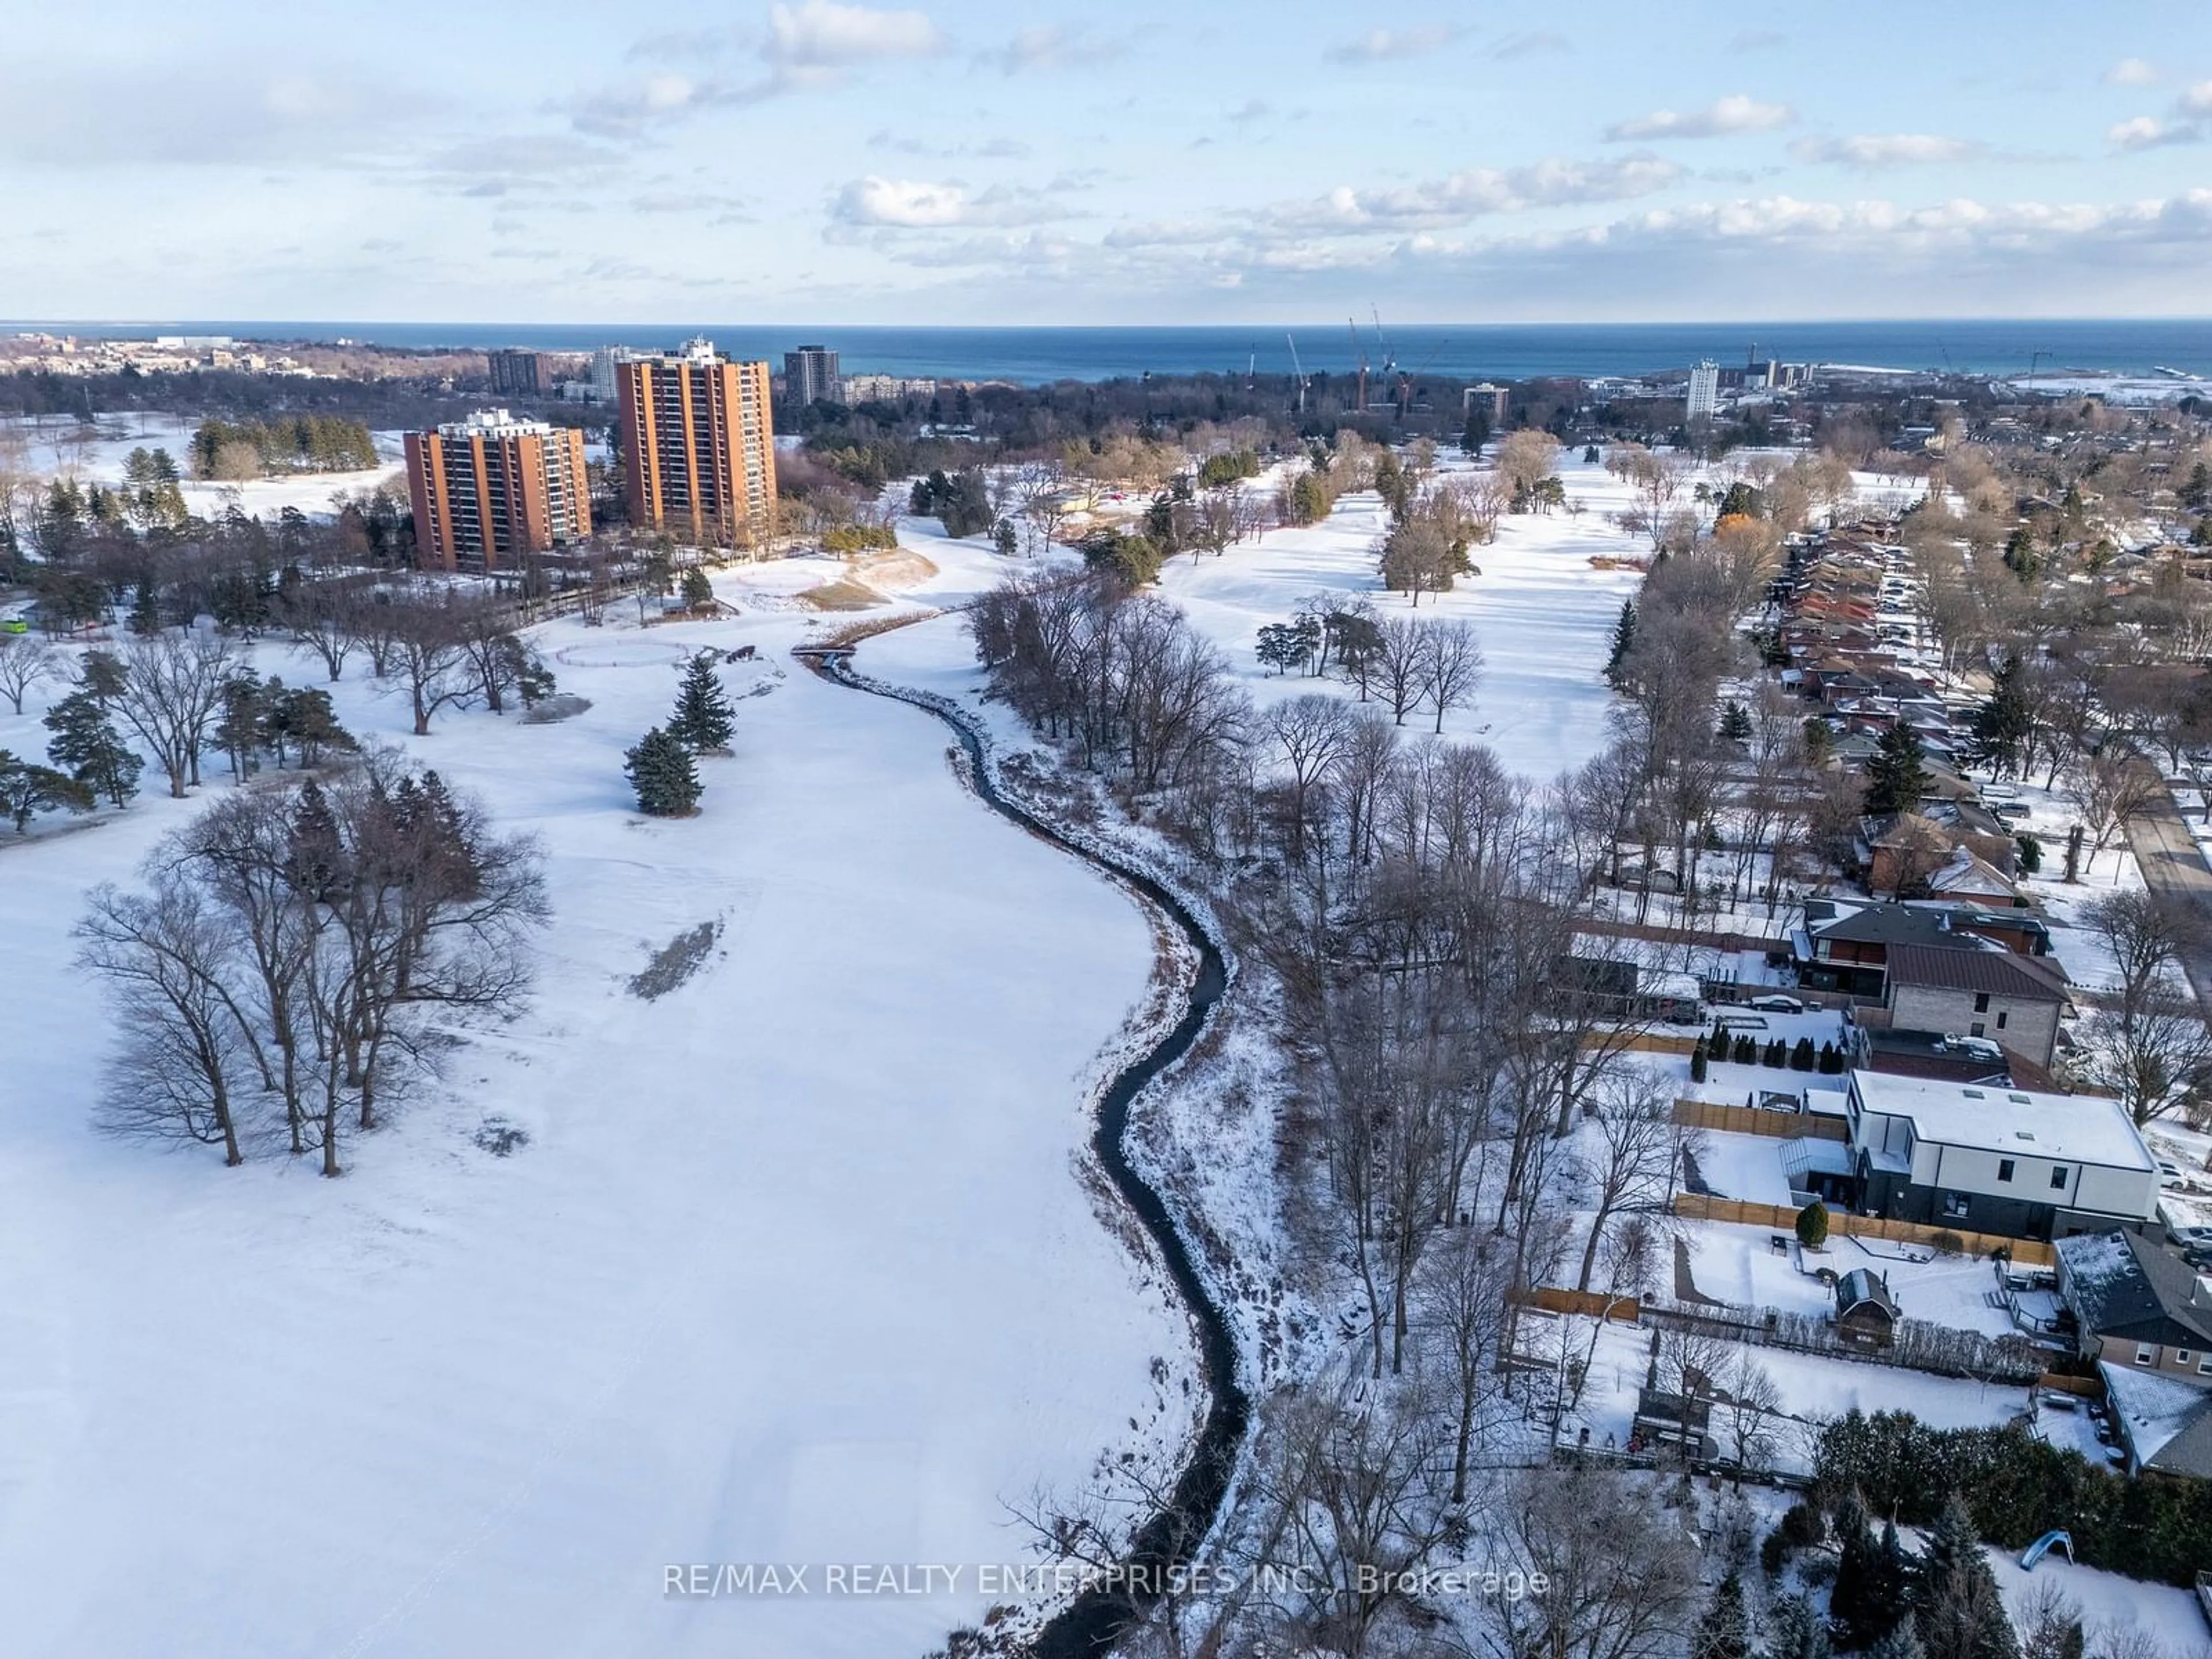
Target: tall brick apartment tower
x=490, y=489
x=697, y=444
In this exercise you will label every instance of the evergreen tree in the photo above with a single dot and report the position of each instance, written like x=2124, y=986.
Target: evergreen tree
x=27, y=789
x=1869, y=1596
x=1903, y=1642
x=1725, y=1631
x=1897, y=776
x=1960, y=1611
x=2003, y=725
x=240, y=732
x=86, y=745
x=102, y=674
x=660, y=770
x=145, y=609
x=1735, y=723
x=704, y=718
x=1799, y=1633
x=1624, y=640
x=698, y=591
x=533, y=680
x=309, y=720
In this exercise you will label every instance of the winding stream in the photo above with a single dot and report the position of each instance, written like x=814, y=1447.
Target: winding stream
x=1091, y=1624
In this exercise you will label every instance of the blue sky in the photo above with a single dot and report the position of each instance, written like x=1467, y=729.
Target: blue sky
x=1146, y=163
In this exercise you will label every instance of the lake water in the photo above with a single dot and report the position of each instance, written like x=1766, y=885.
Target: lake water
x=1468, y=351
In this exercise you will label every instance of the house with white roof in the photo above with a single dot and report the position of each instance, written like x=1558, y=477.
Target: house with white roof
x=1988, y=1159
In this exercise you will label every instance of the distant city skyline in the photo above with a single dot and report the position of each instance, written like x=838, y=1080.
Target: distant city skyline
x=990, y=163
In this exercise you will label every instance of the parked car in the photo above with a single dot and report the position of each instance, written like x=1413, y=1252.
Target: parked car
x=1777, y=1003
x=2009, y=812
x=2168, y=1169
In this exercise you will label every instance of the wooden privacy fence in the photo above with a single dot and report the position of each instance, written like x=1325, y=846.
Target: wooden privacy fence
x=2086, y=1388
x=1645, y=1042
x=1696, y=1206
x=1758, y=1121
x=1551, y=1298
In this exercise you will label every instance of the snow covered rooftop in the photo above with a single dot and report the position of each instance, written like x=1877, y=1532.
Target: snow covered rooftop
x=2167, y=1422
x=2081, y=1128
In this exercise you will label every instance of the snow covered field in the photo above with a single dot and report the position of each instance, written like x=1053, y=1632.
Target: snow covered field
x=1543, y=613
x=95, y=455
x=794, y=1268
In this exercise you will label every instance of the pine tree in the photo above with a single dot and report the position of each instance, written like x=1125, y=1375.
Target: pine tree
x=1902, y=1642
x=86, y=745
x=660, y=770
x=27, y=789
x=1897, y=776
x=704, y=720
x=1735, y=723
x=1960, y=1611
x=312, y=723
x=698, y=591
x=1725, y=1631
x=2003, y=725
x=1624, y=642
x=1869, y=1596
x=1799, y=1633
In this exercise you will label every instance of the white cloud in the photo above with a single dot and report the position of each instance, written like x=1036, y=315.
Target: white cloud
x=1757, y=40
x=1735, y=113
x=1050, y=47
x=1530, y=43
x=2198, y=100
x=2148, y=132
x=1885, y=149
x=1383, y=45
x=1477, y=191
x=821, y=36
x=2131, y=72
x=920, y=204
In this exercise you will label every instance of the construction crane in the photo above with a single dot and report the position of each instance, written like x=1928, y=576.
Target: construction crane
x=1359, y=352
x=1401, y=390
x=1297, y=370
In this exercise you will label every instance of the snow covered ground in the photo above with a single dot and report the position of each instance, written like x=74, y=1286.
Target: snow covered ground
x=96, y=454
x=796, y=1266
x=1543, y=613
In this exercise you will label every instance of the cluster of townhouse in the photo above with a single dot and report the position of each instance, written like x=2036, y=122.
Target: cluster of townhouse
x=175, y=354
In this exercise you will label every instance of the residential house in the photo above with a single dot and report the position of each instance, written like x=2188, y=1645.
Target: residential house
x=1845, y=947
x=2141, y=1298
x=2014, y=1001
x=1989, y=1160
x=2165, y=1425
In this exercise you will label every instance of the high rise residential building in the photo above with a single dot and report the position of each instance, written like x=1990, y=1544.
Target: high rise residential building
x=1705, y=390
x=520, y=373
x=603, y=373
x=490, y=489
x=698, y=446
x=809, y=376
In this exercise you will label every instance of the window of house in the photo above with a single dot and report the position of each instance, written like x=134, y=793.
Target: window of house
x=2001, y=1018
x=1981, y=1002
x=2058, y=1176
x=1954, y=1205
x=1981, y=1028
x=2181, y=1356
x=2145, y=1353
x=2004, y=1168
x=2204, y=1366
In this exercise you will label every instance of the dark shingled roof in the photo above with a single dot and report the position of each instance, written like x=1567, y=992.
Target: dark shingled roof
x=2001, y=973
x=2136, y=1286
x=1892, y=925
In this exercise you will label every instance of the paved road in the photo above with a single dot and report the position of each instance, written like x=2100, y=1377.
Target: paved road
x=2174, y=870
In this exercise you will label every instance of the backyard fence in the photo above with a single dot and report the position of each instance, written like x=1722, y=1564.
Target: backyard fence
x=1551, y=1298
x=1758, y=1121
x=1914, y=1345
x=2024, y=1252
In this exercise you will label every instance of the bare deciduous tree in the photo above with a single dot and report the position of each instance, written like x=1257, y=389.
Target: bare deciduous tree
x=24, y=663
x=170, y=693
